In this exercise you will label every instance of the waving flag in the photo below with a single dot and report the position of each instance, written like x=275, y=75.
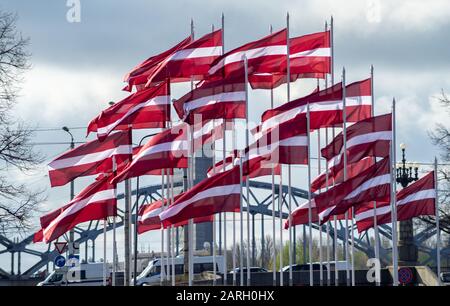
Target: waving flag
x=166, y=150
x=418, y=199
x=372, y=184
x=140, y=74
x=325, y=107
x=148, y=108
x=221, y=99
x=91, y=158
x=219, y=193
x=336, y=174
x=205, y=133
x=309, y=57
x=190, y=62
x=95, y=202
x=148, y=216
x=264, y=56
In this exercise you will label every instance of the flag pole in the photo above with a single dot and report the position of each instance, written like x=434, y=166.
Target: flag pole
x=113, y=283
x=234, y=146
x=394, y=200
x=438, y=229
x=241, y=232
x=274, y=251
x=214, y=217
x=225, y=259
x=173, y=229
x=163, y=193
x=375, y=221
x=247, y=181
x=308, y=126
x=288, y=86
x=105, y=224
x=344, y=133
x=280, y=209
x=191, y=183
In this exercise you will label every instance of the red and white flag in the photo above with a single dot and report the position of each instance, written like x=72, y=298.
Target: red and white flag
x=148, y=217
x=190, y=62
x=207, y=132
x=265, y=55
x=309, y=56
x=91, y=158
x=219, y=193
x=336, y=174
x=373, y=184
x=418, y=199
x=140, y=74
x=220, y=99
x=166, y=150
x=147, y=108
x=368, y=137
x=325, y=107
x=96, y=202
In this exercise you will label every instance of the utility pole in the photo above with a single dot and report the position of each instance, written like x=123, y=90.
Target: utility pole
x=72, y=191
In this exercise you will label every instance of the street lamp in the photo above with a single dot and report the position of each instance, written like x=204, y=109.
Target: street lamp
x=406, y=173
x=72, y=188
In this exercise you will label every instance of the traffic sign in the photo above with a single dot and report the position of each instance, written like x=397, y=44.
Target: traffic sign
x=60, y=246
x=60, y=261
x=405, y=275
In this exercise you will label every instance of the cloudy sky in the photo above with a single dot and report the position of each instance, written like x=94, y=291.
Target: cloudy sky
x=78, y=66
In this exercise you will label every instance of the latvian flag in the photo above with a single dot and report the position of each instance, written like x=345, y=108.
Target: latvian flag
x=418, y=199
x=219, y=193
x=95, y=202
x=91, y=158
x=148, y=108
x=373, y=184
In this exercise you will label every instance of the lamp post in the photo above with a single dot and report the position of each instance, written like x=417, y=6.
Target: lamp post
x=72, y=190
x=406, y=173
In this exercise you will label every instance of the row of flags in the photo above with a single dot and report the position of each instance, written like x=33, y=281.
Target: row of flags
x=359, y=161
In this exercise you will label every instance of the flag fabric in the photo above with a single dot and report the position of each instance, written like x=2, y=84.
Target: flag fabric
x=140, y=74
x=91, y=158
x=300, y=215
x=191, y=62
x=38, y=236
x=418, y=199
x=148, y=216
x=373, y=184
x=368, y=137
x=219, y=99
x=219, y=193
x=166, y=150
x=309, y=57
x=325, y=107
x=147, y=108
x=336, y=174
x=264, y=56
x=205, y=133
x=96, y=202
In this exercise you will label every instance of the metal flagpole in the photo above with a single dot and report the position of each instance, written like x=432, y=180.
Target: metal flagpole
x=163, y=270
x=105, y=267
x=393, y=199
x=344, y=133
x=173, y=231
x=280, y=209
x=274, y=264
x=319, y=170
x=234, y=146
x=247, y=186
x=375, y=221
x=438, y=229
x=225, y=278
x=127, y=231
x=241, y=215
x=214, y=217
x=288, y=87
x=113, y=283
x=308, y=123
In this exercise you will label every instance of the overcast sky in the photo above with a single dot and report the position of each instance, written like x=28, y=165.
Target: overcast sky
x=78, y=67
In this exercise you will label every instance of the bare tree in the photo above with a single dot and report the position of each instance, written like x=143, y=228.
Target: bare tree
x=441, y=138
x=17, y=203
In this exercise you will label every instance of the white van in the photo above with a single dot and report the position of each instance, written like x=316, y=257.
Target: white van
x=90, y=274
x=152, y=273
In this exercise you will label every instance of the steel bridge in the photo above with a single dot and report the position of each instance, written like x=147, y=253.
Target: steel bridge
x=260, y=204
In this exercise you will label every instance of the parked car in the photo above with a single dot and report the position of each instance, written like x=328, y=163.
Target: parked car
x=445, y=278
x=252, y=270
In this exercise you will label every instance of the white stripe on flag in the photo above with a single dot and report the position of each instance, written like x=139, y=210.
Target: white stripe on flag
x=176, y=145
x=369, y=137
x=88, y=158
x=150, y=214
x=213, y=99
x=319, y=52
x=196, y=53
x=250, y=54
x=208, y=193
x=373, y=182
